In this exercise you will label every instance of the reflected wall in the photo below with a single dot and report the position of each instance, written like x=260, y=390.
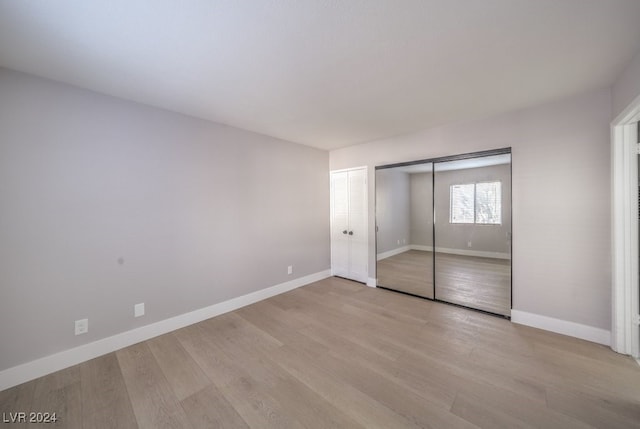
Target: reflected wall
x=404, y=229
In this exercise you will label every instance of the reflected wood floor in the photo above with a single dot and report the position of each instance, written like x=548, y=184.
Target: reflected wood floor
x=339, y=354
x=482, y=283
x=410, y=271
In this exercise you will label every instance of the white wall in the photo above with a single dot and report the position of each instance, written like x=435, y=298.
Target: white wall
x=197, y=212
x=627, y=86
x=561, y=198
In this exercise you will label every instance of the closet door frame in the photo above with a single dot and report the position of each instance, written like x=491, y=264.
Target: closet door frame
x=480, y=154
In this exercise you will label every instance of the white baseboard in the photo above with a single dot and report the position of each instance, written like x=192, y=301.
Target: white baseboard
x=371, y=282
x=28, y=371
x=390, y=253
x=577, y=330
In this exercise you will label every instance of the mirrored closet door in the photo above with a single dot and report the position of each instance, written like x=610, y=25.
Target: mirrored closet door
x=443, y=229
x=404, y=228
x=473, y=232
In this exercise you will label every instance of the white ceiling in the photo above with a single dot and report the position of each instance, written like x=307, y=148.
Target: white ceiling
x=325, y=73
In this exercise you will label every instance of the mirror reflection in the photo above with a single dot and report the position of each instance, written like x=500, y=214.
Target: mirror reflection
x=443, y=230
x=404, y=225
x=473, y=232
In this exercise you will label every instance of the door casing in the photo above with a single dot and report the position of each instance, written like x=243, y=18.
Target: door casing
x=625, y=332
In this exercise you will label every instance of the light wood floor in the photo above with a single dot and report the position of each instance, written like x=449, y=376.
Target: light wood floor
x=339, y=354
x=482, y=283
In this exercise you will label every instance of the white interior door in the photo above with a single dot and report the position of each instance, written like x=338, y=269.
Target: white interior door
x=349, y=234
x=358, y=233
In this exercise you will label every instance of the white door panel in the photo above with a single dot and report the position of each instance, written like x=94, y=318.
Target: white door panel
x=358, y=225
x=339, y=223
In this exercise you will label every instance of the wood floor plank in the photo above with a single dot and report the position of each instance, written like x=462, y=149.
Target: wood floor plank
x=427, y=381
x=209, y=408
x=16, y=400
x=590, y=371
x=382, y=312
x=627, y=407
x=105, y=400
x=154, y=403
x=310, y=408
x=257, y=406
x=60, y=393
x=208, y=354
x=481, y=403
x=492, y=368
x=392, y=301
x=364, y=409
x=240, y=377
x=589, y=411
x=273, y=321
x=380, y=334
x=482, y=416
x=182, y=372
x=239, y=333
x=394, y=395
x=66, y=403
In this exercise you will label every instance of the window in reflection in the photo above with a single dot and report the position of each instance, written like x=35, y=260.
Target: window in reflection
x=473, y=232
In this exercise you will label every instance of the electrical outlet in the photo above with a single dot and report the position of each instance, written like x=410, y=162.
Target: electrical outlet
x=82, y=326
x=398, y=241
x=468, y=244
x=290, y=269
x=138, y=310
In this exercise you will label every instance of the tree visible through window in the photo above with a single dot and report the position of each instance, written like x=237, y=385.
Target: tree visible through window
x=476, y=203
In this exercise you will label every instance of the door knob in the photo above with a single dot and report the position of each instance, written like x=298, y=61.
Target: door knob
x=350, y=232
x=344, y=232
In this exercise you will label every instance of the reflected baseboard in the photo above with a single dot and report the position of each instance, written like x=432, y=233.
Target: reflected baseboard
x=393, y=252
x=477, y=253
x=461, y=252
x=421, y=247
